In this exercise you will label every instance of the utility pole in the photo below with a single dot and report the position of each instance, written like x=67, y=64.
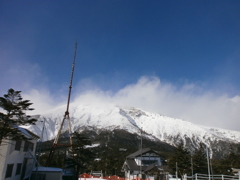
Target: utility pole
x=176, y=171
x=208, y=162
x=140, y=175
x=66, y=117
x=39, y=149
x=192, y=167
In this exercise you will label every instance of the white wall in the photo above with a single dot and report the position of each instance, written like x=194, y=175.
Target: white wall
x=3, y=157
x=11, y=156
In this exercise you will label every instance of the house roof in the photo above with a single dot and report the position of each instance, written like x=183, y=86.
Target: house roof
x=133, y=166
x=150, y=167
x=131, y=163
x=235, y=170
x=139, y=152
x=28, y=133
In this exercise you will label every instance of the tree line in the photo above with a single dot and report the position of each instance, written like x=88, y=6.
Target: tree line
x=182, y=162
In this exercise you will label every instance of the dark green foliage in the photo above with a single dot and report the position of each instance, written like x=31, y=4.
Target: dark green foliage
x=199, y=160
x=80, y=154
x=14, y=114
x=220, y=166
x=114, y=146
x=111, y=152
x=229, y=161
x=180, y=161
x=233, y=158
x=76, y=159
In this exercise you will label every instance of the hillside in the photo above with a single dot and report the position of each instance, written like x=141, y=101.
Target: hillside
x=155, y=127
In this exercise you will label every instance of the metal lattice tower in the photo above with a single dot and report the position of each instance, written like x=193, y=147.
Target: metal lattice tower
x=65, y=118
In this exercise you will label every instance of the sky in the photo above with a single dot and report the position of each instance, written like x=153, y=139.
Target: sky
x=176, y=58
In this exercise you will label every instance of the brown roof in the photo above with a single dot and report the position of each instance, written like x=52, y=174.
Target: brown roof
x=140, y=151
x=131, y=163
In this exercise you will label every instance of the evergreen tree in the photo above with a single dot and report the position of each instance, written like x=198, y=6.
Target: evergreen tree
x=14, y=114
x=229, y=161
x=80, y=154
x=232, y=159
x=220, y=166
x=180, y=162
x=200, y=164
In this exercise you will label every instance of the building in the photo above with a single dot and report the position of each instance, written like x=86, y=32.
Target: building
x=17, y=157
x=236, y=172
x=96, y=174
x=47, y=173
x=145, y=163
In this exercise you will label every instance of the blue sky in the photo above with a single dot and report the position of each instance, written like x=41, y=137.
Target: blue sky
x=191, y=48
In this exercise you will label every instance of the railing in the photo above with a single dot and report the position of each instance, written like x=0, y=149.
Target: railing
x=212, y=177
x=194, y=177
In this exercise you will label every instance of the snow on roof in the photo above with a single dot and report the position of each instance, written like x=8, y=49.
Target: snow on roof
x=27, y=133
x=24, y=131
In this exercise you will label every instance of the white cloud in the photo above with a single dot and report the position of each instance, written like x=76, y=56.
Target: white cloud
x=42, y=100
x=21, y=75
x=187, y=102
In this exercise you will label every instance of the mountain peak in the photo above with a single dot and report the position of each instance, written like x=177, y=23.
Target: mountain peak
x=155, y=126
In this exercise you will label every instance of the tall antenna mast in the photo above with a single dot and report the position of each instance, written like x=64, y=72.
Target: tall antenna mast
x=66, y=117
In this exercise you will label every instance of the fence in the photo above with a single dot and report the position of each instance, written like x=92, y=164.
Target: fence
x=212, y=177
x=194, y=177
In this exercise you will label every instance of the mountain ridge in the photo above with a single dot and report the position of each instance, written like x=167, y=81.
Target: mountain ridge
x=152, y=125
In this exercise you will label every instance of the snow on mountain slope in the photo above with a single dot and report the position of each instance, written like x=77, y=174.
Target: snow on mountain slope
x=110, y=116
x=172, y=130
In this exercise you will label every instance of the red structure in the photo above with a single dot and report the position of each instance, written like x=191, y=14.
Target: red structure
x=85, y=175
x=66, y=117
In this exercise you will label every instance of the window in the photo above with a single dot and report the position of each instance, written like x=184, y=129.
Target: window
x=18, y=145
x=28, y=146
x=19, y=167
x=148, y=162
x=25, y=146
x=9, y=170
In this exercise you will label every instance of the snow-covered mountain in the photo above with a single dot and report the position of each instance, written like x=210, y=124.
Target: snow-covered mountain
x=154, y=126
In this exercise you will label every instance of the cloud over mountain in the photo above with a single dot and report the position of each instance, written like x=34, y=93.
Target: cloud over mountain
x=189, y=101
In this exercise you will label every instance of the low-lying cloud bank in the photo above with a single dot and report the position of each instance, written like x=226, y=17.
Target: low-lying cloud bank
x=187, y=102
